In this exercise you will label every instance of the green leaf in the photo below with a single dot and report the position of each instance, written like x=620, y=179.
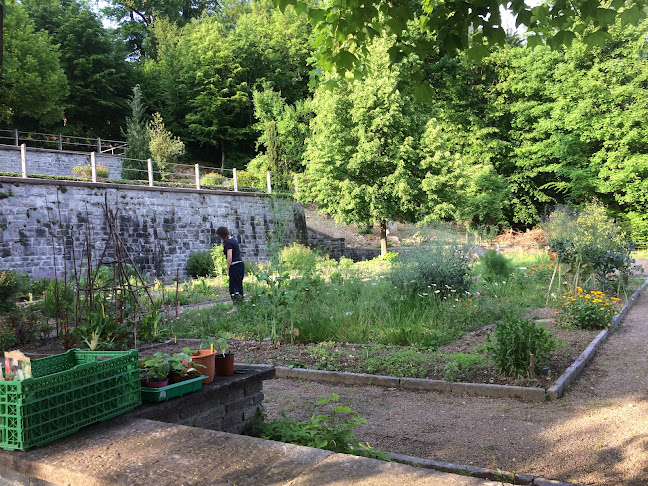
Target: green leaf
x=597, y=38
x=342, y=409
x=282, y=4
x=316, y=15
x=588, y=9
x=423, y=92
x=631, y=16
x=478, y=52
x=605, y=16
x=562, y=38
x=534, y=41
x=345, y=60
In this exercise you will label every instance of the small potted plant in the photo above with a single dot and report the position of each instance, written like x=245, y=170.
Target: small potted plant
x=157, y=370
x=224, y=360
x=183, y=366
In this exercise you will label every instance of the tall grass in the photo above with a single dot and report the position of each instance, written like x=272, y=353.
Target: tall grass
x=373, y=310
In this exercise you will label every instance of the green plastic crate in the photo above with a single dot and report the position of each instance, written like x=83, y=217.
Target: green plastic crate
x=171, y=391
x=66, y=392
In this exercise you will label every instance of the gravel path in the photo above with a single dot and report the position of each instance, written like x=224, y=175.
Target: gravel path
x=597, y=434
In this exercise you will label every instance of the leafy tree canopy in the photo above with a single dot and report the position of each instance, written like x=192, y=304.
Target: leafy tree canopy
x=345, y=28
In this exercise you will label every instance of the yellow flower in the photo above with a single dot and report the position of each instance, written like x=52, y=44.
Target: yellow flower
x=615, y=299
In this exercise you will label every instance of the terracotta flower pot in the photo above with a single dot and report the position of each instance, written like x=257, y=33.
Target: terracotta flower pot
x=224, y=364
x=206, y=358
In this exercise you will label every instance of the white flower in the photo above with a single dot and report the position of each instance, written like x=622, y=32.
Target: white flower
x=437, y=291
x=348, y=313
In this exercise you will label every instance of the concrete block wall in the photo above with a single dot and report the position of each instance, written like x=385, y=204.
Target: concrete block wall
x=53, y=162
x=44, y=224
x=228, y=407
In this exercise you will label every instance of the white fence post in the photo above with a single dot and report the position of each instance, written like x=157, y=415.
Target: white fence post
x=16, y=137
x=93, y=165
x=197, y=176
x=235, y=179
x=269, y=185
x=149, y=163
x=23, y=160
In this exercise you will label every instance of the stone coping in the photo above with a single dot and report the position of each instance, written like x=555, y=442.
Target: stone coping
x=531, y=394
x=50, y=180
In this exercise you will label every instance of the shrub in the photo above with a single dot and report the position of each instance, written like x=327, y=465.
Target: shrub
x=332, y=431
x=86, y=171
x=212, y=179
x=298, y=258
x=219, y=260
x=59, y=296
x=587, y=310
x=437, y=268
x=248, y=180
x=590, y=242
x=495, y=265
x=12, y=285
x=515, y=340
x=200, y=264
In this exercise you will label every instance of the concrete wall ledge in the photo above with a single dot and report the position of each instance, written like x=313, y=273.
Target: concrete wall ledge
x=130, y=451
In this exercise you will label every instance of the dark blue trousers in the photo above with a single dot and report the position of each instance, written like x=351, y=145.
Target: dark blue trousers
x=236, y=273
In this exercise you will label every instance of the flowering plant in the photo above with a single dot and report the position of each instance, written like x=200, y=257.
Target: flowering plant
x=587, y=309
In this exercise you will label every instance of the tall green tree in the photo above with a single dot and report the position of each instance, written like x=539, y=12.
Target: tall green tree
x=134, y=165
x=205, y=73
x=283, y=131
x=137, y=18
x=362, y=162
x=32, y=82
x=94, y=62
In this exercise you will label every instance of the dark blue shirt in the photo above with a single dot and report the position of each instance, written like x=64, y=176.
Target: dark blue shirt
x=236, y=250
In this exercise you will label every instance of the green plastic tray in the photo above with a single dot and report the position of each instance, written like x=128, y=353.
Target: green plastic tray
x=171, y=391
x=67, y=391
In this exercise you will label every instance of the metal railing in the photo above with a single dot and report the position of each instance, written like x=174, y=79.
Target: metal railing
x=61, y=142
x=157, y=174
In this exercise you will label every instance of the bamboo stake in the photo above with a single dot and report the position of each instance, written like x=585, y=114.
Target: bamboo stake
x=532, y=366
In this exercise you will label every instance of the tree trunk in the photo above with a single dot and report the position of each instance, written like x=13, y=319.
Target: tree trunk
x=383, y=237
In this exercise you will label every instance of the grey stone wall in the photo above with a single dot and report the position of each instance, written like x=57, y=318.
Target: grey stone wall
x=336, y=247
x=52, y=162
x=44, y=224
x=330, y=245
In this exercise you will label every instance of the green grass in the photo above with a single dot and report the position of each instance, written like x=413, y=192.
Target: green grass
x=370, y=310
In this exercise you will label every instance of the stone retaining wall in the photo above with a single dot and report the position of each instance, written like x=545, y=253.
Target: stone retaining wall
x=44, y=224
x=52, y=162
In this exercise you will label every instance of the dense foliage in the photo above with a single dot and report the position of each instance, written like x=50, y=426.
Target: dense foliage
x=408, y=117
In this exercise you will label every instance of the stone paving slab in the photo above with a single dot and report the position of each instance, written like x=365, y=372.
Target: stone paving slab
x=131, y=451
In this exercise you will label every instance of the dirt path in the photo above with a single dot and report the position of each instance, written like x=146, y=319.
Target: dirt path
x=597, y=434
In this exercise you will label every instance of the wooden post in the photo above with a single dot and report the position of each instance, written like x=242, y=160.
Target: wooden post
x=60, y=141
x=98, y=144
x=269, y=184
x=532, y=366
x=197, y=167
x=16, y=137
x=235, y=179
x=177, y=289
x=23, y=160
x=149, y=163
x=93, y=165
